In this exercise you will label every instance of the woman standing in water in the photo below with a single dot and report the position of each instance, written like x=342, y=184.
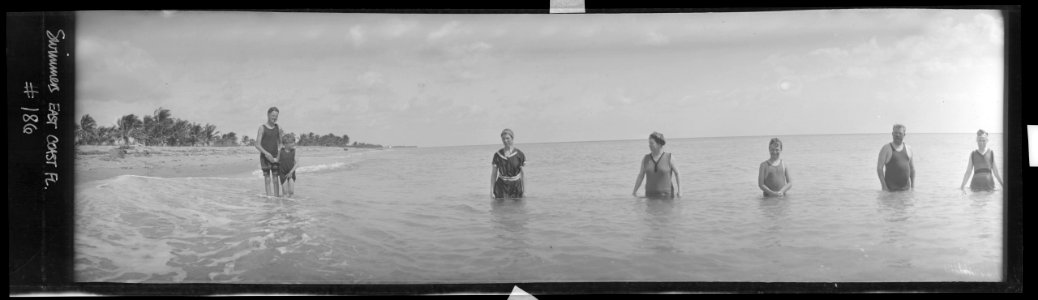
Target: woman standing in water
x=268, y=142
x=657, y=168
x=507, y=176
x=773, y=178
x=982, y=165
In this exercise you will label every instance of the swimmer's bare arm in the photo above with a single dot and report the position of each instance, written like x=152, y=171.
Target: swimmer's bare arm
x=677, y=177
x=760, y=180
x=641, y=175
x=522, y=177
x=789, y=180
x=294, y=166
x=281, y=133
x=493, y=178
x=911, y=167
x=884, y=157
x=969, y=171
x=994, y=171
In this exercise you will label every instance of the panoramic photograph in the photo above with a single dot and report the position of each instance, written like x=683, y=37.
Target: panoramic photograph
x=829, y=145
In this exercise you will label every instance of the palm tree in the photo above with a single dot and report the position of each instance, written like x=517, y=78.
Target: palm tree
x=129, y=125
x=208, y=133
x=178, y=132
x=162, y=128
x=149, y=129
x=230, y=139
x=88, y=129
x=107, y=135
x=196, y=134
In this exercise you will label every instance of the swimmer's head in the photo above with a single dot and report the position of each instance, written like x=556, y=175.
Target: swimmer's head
x=982, y=139
x=288, y=139
x=656, y=142
x=775, y=146
x=898, y=133
x=507, y=136
x=272, y=114
x=658, y=138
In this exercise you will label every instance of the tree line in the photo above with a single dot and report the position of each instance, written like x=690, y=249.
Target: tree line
x=162, y=129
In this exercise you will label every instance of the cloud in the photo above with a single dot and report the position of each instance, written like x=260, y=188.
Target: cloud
x=444, y=30
x=620, y=98
x=548, y=30
x=993, y=27
x=949, y=44
x=460, y=62
x=833, y=53
x=397, y=27
x=118, y=71
x=369, y=93
x=470, y=54
x=657, y=39
x=588, y=30
x=357, y=35
x=370, y=79
x=313, y=33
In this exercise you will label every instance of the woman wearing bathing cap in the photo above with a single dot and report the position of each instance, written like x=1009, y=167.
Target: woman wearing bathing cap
x=658, y=169
x=506, y=178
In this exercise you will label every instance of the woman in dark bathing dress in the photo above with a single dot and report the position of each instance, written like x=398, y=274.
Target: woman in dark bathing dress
x=982, y=166
x=507, y=176
x=659, y=171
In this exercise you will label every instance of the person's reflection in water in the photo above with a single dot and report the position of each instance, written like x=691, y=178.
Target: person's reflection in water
x=981, y=199
x=659, y=217
x=896, y=209
x=512, y=255
x=774, y=211
x=985, y=213
x=510, y=218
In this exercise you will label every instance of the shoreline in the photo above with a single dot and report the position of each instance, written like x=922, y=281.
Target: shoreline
x=94, y=163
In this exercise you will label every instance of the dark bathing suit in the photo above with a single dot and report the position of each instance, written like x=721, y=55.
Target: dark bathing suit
x=285, y=164
x=982, y=180
x=508, y=183
x=776, y=176
x=898, y=170
x=269, y=143
x=657, y=182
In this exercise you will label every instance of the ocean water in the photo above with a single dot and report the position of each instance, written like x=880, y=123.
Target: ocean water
x=425, y=216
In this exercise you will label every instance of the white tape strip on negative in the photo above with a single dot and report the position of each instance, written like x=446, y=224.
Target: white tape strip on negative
x=567, y=6
x=1032, y=144
x=520, y=294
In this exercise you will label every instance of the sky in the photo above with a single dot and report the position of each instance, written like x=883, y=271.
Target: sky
x=458, y=79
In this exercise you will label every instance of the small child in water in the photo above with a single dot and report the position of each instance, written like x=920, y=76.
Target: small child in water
x=774, y=178
x=287, y=163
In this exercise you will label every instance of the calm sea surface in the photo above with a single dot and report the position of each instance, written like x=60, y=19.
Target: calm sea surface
x=425, y=216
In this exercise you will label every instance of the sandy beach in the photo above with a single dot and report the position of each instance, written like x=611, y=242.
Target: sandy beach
x=103, y=162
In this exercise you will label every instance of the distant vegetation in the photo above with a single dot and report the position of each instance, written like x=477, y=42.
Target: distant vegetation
x=364, y=145
x=162, y=129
